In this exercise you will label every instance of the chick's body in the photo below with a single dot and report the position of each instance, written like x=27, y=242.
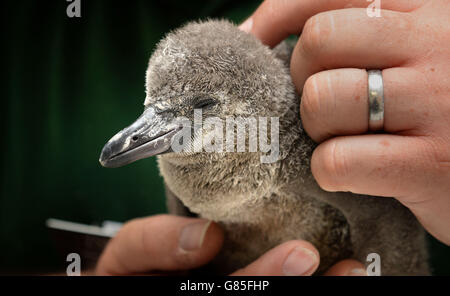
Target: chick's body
x=261, y=205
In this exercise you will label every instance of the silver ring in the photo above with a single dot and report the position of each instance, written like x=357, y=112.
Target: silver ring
x=376, y=100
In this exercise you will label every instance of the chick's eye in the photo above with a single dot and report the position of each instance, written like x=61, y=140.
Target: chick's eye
x=204, y=104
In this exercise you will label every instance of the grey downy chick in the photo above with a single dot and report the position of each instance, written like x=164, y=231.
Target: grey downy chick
x=215, y=67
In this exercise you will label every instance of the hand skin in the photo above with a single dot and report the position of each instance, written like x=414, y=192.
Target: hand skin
x=410, y=42
x=167, y=244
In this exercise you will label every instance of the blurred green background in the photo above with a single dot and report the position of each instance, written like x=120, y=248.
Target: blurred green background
x=70, y=84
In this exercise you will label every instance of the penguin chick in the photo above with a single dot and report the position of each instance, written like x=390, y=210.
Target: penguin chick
x=215, y=67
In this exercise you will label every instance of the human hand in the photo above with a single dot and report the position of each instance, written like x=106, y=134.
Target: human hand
x=411, y=43
x=167, y=244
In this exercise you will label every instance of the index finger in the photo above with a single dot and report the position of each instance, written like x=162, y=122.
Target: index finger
x=275, y=20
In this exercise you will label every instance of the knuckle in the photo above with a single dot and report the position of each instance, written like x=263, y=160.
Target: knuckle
x=310, y=103
x=334, y=166
x=404, y=23
x=137, y=230
x=116, y=263
x=130, y=228
x=160, y=219
x=435, y=151
x=313, y=37
x=125, y=229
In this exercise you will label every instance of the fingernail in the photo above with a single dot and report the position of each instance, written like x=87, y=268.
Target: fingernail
x=299, y=261
x=247, y=25
x=192, y=235
x=357, y=272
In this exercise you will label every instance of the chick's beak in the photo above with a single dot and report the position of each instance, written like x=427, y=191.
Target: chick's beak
x=149, y=135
